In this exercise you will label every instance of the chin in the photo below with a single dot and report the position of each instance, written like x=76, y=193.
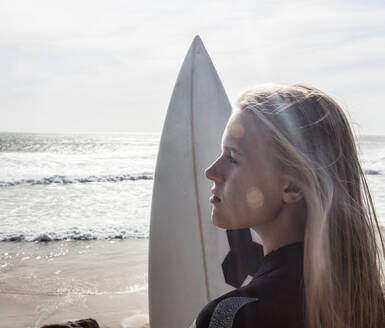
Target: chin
x=223, y=223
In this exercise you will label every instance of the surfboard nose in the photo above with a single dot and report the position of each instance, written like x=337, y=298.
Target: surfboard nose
x=197, y=46
x=197, y=39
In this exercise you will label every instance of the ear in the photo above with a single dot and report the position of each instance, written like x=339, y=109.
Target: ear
x=291, y=192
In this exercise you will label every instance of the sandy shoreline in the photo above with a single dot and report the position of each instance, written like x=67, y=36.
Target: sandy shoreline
x=54, y=282
x=42, y=283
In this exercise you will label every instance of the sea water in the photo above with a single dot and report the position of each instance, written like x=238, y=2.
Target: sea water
x=99, y=186
x=75, y=186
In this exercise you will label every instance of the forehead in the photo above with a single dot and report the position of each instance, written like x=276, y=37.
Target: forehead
x=243, y=132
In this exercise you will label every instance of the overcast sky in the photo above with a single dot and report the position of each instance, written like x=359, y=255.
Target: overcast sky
x=110, y=66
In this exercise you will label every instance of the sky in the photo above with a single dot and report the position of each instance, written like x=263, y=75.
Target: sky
x=110, y=66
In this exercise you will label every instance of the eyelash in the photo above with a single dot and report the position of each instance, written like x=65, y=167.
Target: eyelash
x=231, y=159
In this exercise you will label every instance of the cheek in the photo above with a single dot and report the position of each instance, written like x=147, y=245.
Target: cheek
x=243, y=198
x=255, y=198
x=249, y=207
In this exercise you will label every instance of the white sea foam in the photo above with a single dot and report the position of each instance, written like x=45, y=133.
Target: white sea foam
x=74, y=292
x=66, y=180
x=136, y=321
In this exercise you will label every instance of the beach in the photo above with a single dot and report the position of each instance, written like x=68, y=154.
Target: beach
x=58, y=281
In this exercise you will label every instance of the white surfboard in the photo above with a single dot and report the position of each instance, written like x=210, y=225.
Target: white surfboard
x=190, y=260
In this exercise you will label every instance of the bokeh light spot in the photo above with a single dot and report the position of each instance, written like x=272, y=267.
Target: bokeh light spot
x=237, y=130
x=254, y=197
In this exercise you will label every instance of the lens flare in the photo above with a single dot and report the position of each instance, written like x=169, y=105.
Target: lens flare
x=254, y=197
x=237, y=130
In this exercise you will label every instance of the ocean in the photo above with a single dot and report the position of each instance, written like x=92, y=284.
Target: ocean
x=71, y=186
x=99, y=186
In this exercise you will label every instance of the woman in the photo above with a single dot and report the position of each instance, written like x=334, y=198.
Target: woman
x=289, y=169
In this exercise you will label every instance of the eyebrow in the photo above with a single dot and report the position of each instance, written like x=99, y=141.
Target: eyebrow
x=233, y=150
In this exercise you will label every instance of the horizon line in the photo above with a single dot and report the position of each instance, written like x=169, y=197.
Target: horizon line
x=127, y=132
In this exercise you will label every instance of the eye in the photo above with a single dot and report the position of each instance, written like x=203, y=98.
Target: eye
x=231, y=159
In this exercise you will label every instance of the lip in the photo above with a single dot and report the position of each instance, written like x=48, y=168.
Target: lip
x=214, y=199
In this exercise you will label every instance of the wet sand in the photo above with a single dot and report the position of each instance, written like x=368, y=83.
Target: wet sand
x=42, y=283
x=54, y=282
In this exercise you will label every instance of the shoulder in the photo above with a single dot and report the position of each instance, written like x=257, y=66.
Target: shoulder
x=227, y=310
x=249, y=307
x=283, y=310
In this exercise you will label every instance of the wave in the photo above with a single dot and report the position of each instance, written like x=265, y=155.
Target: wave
x=70, y=292
x=372, y=172
x=61, y=179
x=53, y=236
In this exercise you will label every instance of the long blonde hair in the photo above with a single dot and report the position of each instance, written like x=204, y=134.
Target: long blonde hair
x=312, y=142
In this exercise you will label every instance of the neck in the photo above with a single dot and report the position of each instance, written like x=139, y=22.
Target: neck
x=286, y=228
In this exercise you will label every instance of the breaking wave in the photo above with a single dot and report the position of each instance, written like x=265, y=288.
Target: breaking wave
x=74, y=235
x=372, y=172
x=61, y=179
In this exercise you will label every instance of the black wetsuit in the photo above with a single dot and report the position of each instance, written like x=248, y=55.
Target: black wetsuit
x=273, y=299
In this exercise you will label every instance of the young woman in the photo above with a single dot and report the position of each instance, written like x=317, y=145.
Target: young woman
x=289, y=169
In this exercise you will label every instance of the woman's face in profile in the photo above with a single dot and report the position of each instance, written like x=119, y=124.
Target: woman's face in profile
x=247, y=191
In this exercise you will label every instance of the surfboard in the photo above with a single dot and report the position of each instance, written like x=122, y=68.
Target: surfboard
x=191, y=261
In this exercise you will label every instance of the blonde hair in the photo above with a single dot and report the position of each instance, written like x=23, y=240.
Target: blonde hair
x=312, y=142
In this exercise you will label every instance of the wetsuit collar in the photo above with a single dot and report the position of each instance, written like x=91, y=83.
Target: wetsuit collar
x=282, y=256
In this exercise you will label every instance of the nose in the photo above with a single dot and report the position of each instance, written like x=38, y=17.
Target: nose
x=212, y=172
